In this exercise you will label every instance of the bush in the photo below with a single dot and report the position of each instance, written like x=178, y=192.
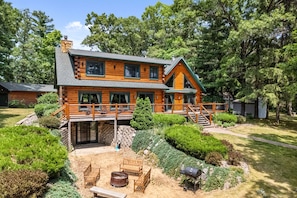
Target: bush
x=22, y=183
x=190, y=140
x=30, y=147
x=241, y=119
x=43, y=109
x=228, y=145
x=161, y=120
x=49, y=122
x=62, y=189
x=214, y=158
x=225, y=117
x=48, y=98
x=234, y=157
x=16, y=104
x=142, y=116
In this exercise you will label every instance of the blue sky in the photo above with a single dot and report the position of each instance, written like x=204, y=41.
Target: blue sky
x=69, y=15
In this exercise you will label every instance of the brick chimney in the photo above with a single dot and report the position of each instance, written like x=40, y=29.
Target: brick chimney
x=66, y=44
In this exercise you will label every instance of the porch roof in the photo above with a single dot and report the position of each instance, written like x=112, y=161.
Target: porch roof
x=184, y=91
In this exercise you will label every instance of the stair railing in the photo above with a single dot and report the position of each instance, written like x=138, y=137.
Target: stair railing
x=202, y=113
x=191, y=110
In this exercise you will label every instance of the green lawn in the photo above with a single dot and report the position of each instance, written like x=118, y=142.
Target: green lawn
x=10, y=116
x=273, y=168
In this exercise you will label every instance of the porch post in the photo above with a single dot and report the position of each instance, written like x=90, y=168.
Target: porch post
x=69, y=136
x=115, y=131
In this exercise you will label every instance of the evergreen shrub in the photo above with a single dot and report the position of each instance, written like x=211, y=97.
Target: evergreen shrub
x=16, y=104
x=189, y=140
x=161, y=120
x=30, y=147
x=171, y=160
x=49, y=122
x=142, y=116
x=241, y=119
x=48, y=98
x=62, y=189
x=225, y=117
x=45, y=109
x=23, y=183
x=234, y=157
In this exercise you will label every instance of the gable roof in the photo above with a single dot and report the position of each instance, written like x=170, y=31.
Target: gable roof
x=65, y=74
x=28, y=87
x=170, y=67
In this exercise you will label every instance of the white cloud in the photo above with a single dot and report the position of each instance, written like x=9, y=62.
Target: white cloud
x=76, y=32
x=76, y=25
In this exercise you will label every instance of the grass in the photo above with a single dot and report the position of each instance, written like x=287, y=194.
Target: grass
x=10, y=116
x=272, y=168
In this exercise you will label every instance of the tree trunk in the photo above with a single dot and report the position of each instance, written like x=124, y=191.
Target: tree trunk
x=289, y=108
x=277, y=116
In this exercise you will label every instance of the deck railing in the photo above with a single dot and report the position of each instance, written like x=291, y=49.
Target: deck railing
x=116, y=110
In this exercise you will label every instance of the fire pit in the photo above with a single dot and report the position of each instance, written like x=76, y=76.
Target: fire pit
x=119, y=179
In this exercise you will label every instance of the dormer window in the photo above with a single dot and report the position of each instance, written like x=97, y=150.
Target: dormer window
x=132, y=71
x=96, y=68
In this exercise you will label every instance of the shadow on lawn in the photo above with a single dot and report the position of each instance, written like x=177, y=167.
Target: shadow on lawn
x=278, y=164
x=3, y=117
x=288, y=139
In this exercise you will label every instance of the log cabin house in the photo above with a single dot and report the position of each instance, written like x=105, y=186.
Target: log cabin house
x=25, y=93
x=98, y=90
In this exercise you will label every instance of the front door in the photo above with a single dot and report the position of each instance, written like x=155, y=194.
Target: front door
x=86, y=132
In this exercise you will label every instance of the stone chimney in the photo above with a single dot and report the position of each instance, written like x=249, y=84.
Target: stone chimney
x=66, y=44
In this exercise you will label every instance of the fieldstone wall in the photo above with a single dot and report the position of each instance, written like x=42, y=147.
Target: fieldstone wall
x=125, y=135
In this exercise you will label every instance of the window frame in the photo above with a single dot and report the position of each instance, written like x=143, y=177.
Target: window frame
x=89, y=93
x=132, y=65
x=172, y=76
x=126, y=107
x=102, y=64
x=152, y=68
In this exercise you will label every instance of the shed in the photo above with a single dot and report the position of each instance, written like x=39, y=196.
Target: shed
x=249, y=108
x=27, y=93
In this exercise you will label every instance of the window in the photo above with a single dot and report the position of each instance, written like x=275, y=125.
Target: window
x=189, y=98
x=153, y=72
x=187, y=83
x=95, y=68
x=89, y=98
x=119, y=98
x=169, y=83
x=132, y=71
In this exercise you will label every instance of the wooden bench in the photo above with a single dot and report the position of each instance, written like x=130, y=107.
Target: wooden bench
x=101, y=192
x=132, y=166
x=141, y=183
x=91, y=175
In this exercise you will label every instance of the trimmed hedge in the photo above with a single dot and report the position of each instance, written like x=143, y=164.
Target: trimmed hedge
x=161, y=120
x=30, y=147
x=225, y=117
x=49, y=122
x=189, y=140
x=48, y=98
x=171, y=160
x=45, y=109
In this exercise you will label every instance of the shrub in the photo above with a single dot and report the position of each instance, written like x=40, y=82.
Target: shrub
x=142, y=116
x=50, y=122
x=225, y=117
x=23, y=183
x=16, y=104
x=161, y=120
x=62, y=189
x=41, y=109
x=228, y=124
x=214, y=158
x=234, y=157
x=30, y=147
x=190, y=140
x=48, y=98
x=241, y=119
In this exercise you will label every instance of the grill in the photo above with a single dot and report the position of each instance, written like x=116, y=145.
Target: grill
x=193, y=178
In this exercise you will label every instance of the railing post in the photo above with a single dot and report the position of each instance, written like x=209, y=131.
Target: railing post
x=210, y=119
x=200, y=107
x=93, y=111
x=172, y=106
x=67, y=111
x=213, y=107
x=196, y=117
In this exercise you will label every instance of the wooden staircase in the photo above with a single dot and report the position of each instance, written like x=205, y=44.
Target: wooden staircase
x=199, y=115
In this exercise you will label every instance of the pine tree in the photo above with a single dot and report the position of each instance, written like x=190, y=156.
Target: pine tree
x=142, y=117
